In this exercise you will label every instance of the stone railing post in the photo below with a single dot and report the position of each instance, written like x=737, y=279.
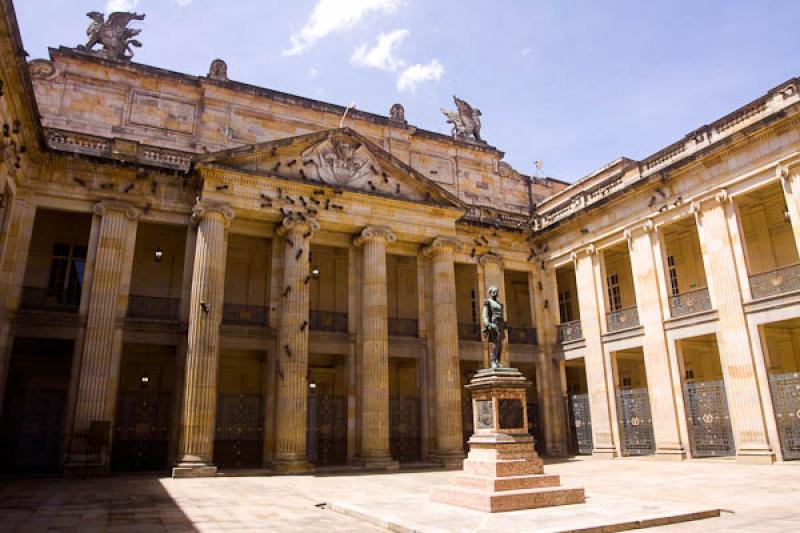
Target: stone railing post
x=449, y=447
x=196, y=441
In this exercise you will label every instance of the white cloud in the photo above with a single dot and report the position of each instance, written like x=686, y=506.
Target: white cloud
x=184, y=3
x=312, y=72
x=120, y=5
x=526, y=51
x=330, y=16
x=381, y=56
x=408, y=79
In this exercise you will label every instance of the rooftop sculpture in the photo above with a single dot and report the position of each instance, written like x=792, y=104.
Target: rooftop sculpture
x=466, y=121
x=113, y=34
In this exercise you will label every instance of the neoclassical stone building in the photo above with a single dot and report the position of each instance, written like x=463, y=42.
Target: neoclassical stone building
x=197, y=273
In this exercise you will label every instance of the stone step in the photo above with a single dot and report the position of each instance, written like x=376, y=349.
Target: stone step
x=508, y=500
x=502, y=468
x=532, y=481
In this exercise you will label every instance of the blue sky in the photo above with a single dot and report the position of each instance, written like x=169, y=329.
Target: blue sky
x=574, y=84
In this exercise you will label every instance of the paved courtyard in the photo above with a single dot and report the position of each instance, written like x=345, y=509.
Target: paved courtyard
x=752, y=498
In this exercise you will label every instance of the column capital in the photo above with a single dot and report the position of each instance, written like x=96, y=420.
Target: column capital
x=105, y=206
x=646, y=227
x=296, y=222
x=204, y=208
x=491, y=258
x=589, y=251
x=442, y=244
x=371, y=233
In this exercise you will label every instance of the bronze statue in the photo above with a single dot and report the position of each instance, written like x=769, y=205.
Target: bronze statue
x=466, y=121
x=494, y=327
x=113, y=34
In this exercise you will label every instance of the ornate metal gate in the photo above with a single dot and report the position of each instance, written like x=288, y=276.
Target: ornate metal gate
x=535, y=426
x=580, y=423
x=141, y=431
x=709, y=422
x=405, y=431
x=635, y=422
x=327, y=429
x=786, y=402
x=466, y=419
x=38, y=415
x=238, y=440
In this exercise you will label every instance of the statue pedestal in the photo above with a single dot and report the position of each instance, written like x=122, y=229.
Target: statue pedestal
x=502, y=471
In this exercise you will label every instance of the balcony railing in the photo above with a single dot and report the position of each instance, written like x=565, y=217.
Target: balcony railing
x=522, y=335
x=403, y=327
x=470, y=332
x=570, y=331
x=44, y=299
x=775, y=282
x=689, y=302
x=244, y=315
x=623, y=319
x=153, y=307
x=328, y=321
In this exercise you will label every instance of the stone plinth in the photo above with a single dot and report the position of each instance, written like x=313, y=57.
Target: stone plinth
x=502, y=471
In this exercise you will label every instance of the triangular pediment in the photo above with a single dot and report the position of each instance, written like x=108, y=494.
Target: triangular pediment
x=341, y=159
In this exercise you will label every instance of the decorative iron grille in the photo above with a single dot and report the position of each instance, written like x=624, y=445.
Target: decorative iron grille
x=467, y=425
x=405, y=434
x=623, y=319
x=580, y=423
x=468, y=331
x=42, y=299
x=403, y=327
x=536, y=426
x=709, y=423
x=152, y=307
x=635, y=422
x=786, y=401
x=141, y=431
x=327, y=429
x=244, y=315
x=238, y=439
x=689, y=302
x=328, y=321
x=522, y=335
x=570, y=331
x=775, y=282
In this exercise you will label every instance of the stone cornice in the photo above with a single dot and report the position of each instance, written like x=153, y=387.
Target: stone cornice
x=371, y=233
x=104, y=207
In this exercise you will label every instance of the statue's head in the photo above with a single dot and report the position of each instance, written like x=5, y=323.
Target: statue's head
x=96, y=16
x=493, y=292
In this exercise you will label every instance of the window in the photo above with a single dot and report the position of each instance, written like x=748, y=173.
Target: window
x=614, y=296
x=565, y=306
x=673, y=276
x=66, y=273
x=689, y=374
x=625, y=382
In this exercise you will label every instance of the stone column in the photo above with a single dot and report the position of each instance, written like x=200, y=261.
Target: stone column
x=790, y=181
x=102, y=347
x=196, y=441
x=449, y=446
x=14, y=246
x=745, y=402
x=661, y=367
x=543, y=291
x=375, y=350
x=598, y=366
x=291, y=351
x=492, y=265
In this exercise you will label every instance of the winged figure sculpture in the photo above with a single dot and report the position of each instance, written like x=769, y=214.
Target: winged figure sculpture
x=113, y=34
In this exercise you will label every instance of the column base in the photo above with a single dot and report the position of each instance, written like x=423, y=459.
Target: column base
x=292, y=466
x=377, y=463
x=184, y=470
x=755, y=457
x=671, y=455
x=89, y=469
x=450, y=459
x=604, y=453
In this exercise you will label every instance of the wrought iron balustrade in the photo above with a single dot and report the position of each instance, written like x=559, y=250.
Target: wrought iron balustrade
x=690, y=302
x=44, y=299
x=244, y=315
x=778, y=281
x=470, y=332
x=403, y=327
x=570, y=331
x=522, y=335
x=153, y=307
x=328, y=321
x=623, y=319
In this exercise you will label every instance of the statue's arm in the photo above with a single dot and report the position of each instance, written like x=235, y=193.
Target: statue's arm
x=486, y=315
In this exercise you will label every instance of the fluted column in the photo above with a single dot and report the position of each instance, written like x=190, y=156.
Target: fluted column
x=375, y=349
x=196, y=441
x=598, y=366
x=291, y=354
x=745, y=401
x=15, y=240
x=492, y=266
x=449, y=447
x=663, y=378
x=99, y=366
